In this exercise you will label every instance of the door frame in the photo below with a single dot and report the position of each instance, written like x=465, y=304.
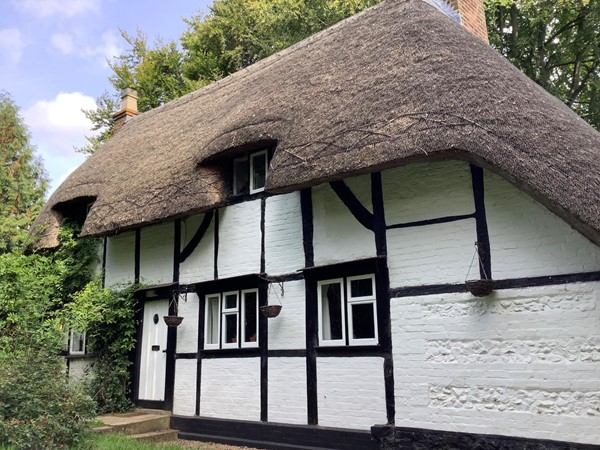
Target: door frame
x=158, y=292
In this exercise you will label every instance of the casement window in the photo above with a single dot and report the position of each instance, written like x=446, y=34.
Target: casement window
x=77, y=343
x=347, y=311
x=231, y=319
x=250, y=173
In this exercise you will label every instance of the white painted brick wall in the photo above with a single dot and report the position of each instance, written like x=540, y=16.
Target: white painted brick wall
x=230, y=388
x=239, y=239
x=338, y=236
x=351, y=392
x=528, y=240
x=522, y=362
x=432, y=254
x=284, y=250
x=287, y=390
x=184, y=394
x=288, y=329
x=200, y=265
x=425, y=191
x=156, y=254
x=120, y=259
x=187, y=332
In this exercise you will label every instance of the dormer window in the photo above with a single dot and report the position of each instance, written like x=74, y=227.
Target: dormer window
x=250, y=173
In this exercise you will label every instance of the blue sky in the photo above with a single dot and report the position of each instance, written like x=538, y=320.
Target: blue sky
x=53, y=62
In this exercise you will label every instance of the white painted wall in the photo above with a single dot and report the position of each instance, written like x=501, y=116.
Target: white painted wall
x=239, y=239
x=288, y=329
x=156, y=254
x=351, y=392
x=187, y=331
x=432, y=254
x=230, y=388
x=80, y=368
x=528, y=240
x=200, y=265
x=425, y=191
x=287, y=390
x=284, y=250
x=184, y=394
x=523, y=362
x=338, y=236
x=120, y=259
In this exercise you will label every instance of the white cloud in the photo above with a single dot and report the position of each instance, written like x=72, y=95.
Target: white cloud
x=63, y=42
x=12, y=43
x=58, y=125
x=49, y=8
x=107, y=49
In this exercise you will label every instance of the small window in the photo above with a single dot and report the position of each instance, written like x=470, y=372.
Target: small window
x=250, y=173
x=347, y=305
x=77, y=343
x=231, y=320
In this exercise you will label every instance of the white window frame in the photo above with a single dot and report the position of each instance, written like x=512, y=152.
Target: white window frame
x=372, y=299
x=331, y=342
x=254, y=190
x=71, y=341
x=230, y=312
x=243, y=342
x=216, y=345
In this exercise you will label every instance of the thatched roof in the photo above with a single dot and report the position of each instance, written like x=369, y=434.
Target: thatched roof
x=397, y=83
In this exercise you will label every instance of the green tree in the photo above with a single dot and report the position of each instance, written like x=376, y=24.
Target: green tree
x=23, y=181
x=554, y=42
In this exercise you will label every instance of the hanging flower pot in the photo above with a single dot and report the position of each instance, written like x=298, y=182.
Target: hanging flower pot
x=270, y=311
x=480, y=288
x=483, y=286
x=173, y=321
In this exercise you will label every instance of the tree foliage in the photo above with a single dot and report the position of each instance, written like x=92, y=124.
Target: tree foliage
x=23, y=181
x=554, y=42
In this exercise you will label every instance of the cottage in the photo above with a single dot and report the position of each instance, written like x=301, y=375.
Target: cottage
x=357, y=179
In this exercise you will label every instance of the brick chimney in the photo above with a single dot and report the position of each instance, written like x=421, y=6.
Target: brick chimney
x=128, y=109
x=472, y=14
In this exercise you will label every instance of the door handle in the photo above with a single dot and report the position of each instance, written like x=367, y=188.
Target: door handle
x=165, y=351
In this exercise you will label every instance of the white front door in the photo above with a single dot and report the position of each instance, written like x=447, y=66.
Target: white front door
x=153, y=363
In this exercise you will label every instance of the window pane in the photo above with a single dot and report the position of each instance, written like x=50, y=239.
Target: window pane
x=231, y=328
x=231, y=301
x=331, y=295
x=77, y=342
x=240, y=176
x=361, y=288
x=212, y=321
x=363, y=322
x=259, y=170
x=250, y=309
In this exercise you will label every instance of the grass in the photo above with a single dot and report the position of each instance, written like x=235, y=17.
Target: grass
x=117, y=442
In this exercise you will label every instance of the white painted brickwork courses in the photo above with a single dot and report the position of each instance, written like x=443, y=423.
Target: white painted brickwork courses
x=230, y=388
x=200, y=265
x=284, y=251
x=184, y=395
x=520, y=362
x=187, y=331
x=120, y=259
x=338, y=236
x=351, y=392
x=288, y=329
x=528, y=240
x=287, y=390
x=239, y=239
x=156, y=254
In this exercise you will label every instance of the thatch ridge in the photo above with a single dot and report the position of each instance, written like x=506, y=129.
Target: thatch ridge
x=399, y=82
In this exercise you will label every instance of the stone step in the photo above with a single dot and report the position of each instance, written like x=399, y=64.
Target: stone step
x=135, y=422
x=156, y=436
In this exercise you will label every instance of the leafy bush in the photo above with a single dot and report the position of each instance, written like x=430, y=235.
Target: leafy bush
x=108, y=317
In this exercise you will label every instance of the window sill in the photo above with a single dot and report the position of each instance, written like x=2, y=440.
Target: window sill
x=350, y=350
